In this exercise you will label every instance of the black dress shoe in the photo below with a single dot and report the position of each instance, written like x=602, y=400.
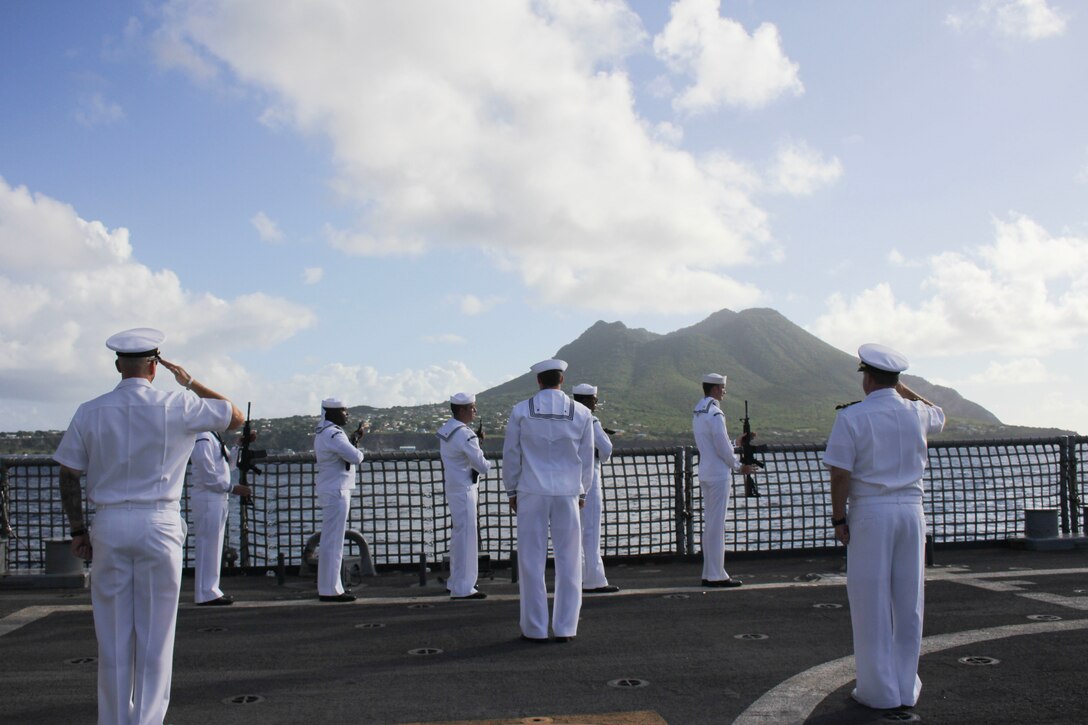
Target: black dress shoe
x=534, y=640
x=561, y=640
x=345, y=597
x=607, y=589
x=475, y=595
x=224, y=601
x=722, y=583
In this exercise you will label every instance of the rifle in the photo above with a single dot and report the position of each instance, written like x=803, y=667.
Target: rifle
x=246, y=465
x=748, y=455
x=480, y=435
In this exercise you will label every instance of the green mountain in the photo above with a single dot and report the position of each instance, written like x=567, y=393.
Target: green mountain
x=649, y=383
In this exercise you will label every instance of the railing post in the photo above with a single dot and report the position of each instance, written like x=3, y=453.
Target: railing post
x=686, y=496
x=1074, y=485
x=1065, y=445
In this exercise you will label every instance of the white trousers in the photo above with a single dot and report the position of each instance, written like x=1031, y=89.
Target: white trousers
x=209, y=512
x=335, y=506
x=715, y=504
x=593, y=576
x=464, y=550
x=536, y=515
x=135, y=584
x=885, y=580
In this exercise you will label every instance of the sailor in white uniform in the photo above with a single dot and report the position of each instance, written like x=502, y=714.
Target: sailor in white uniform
x=133, y=443
x=717, y=464
x=877, y=453
x=337, y=455
x=210, y=486
x=594, y=580
x=547, y=471
x=463, y=464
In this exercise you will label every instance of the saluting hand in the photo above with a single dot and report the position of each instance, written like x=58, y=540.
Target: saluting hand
x=180, y=374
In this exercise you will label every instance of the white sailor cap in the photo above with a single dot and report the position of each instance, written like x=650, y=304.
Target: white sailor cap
x=137, y=342
x=714, y=379
x=545, y=365
x=462, y=399
x=332, y=403
x=881, y=357
x=585, y=389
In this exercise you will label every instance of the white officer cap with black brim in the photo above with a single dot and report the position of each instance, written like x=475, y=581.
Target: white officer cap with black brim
x=881, y=358
x=462, y=399
x=137, y=342
x=714, y=379
x=585, y=389
x=545, y=365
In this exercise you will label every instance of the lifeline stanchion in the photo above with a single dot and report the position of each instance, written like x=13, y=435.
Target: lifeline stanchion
x=423, y=570
x=281, y=569
x=514, y=567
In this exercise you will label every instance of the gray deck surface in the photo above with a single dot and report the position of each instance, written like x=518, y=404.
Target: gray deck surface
x=691, y=650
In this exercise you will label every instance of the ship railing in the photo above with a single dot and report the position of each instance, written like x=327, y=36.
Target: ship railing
x=976, y=491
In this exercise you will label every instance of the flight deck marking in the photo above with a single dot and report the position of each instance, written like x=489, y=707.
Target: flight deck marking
x=27, y=615
x=794, y=700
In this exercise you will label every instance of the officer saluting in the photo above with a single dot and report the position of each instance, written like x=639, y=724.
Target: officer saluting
x=463, y=463
x=133, y=443
x=337, y=456
x=877, y=453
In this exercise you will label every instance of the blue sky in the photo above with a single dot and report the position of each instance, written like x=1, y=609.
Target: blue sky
x=391, y=202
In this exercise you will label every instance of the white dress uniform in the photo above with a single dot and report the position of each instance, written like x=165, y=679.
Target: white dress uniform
x=209, y=491
x=461, y=458
x=593, y=576
x=717, y=463
x=548, y=465
x=133, y=443
x=881, y=441
x=336, y=462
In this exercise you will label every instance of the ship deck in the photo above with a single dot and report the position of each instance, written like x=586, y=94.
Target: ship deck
x=1006, y=641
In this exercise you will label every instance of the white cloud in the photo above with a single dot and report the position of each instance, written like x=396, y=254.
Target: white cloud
x=1021, y=19
x=1026, y=292
x=312, y=275
x=445, y=339
x=268, y=230
x=363, y=385
x=95, y=110
x=66, y=284
x=361, y=244
x=1021, y=371
x=499, y=125
x=801, y=171
x=726, y=64
x=472, y=305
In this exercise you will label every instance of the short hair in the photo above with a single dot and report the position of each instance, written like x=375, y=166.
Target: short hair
x=550, y=378
x=707, y=387
x=456, y=409
x=584, y=399
x=130, y=365
x=883, y=378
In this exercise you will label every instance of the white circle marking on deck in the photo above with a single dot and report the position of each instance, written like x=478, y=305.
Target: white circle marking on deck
x=794, y=700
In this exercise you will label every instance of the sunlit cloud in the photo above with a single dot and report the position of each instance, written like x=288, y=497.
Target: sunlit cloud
x=725, y=64
x=313, y=275
x=95, y=110
x=1020, y=19
x=268, y=230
